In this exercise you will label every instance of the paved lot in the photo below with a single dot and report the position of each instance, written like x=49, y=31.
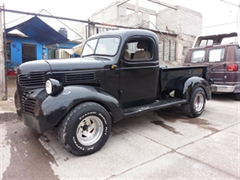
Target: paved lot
x=163, y=144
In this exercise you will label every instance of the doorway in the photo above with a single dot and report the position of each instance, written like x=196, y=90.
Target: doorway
x=28, y=52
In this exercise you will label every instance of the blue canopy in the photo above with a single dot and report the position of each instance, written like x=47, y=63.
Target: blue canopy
x=39, y=31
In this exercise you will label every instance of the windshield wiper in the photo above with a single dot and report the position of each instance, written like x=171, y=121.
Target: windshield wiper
x=100, y=57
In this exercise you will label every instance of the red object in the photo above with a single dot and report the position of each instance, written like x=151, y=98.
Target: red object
x=232, y=67
x=11, y=73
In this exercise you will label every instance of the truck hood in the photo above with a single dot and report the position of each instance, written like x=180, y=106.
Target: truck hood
x=71, y=64
x=33, y=67
x=75, y=64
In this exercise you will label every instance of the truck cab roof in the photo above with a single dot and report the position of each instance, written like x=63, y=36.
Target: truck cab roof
x=124, y=34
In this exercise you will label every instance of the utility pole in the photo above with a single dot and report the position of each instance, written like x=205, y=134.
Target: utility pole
x=238, y=17
x=136, y=12
x=3, y=87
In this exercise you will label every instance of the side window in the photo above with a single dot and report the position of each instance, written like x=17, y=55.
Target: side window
x=198, y=56
x=138, y=50
x=216, y=55
x=130, y=50
x=230, y=40
x=206, y=42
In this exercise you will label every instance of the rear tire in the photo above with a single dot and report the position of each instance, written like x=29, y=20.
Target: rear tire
x=196, y=104
x=237, y=96
x=85, y=129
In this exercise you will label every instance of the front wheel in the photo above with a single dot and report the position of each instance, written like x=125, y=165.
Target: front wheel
x=196, y=104
x=85, y=129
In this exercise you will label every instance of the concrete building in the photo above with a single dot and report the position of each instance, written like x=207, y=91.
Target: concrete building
x=176, y=27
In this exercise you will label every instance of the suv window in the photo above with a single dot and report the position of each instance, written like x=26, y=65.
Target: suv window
x=198, y=56
x=216, y=55
x=230, y=40
x=206, y=42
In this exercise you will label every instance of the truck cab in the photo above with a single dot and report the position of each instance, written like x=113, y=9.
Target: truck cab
x=221, y=53
x=118, y=75
x=131, y=71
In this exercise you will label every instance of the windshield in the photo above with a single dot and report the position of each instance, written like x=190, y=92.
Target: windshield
x=103, y=46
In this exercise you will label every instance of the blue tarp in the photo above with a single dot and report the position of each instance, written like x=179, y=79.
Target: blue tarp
x=39, y=31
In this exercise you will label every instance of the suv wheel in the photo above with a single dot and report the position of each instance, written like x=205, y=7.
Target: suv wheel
x=237, y=96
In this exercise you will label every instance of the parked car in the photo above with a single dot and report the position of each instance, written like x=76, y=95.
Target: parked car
x=221, y=53
x=117, y=76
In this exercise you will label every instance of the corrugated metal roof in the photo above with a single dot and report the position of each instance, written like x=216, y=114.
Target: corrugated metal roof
x=39, y=31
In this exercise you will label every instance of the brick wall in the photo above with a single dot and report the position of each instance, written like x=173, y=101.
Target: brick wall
x=180, y=21
x=106, y=15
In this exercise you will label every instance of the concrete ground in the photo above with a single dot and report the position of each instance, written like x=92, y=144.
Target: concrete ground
x=157, y=145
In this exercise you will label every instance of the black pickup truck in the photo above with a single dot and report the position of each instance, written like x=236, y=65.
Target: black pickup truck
x=117, y=76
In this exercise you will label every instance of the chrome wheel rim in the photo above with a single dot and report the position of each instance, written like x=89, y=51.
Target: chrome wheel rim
x=198, y=102
x=89, y=130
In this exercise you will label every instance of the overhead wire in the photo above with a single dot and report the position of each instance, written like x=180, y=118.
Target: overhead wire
x=37, y=12
x=229, y=3
x=66, y=25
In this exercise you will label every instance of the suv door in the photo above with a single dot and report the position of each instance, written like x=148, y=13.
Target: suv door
x=217, y=65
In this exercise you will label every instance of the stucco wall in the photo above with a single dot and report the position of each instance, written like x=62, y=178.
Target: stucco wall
x=16, y=49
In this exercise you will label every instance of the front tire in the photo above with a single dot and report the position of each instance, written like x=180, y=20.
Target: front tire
x=196, y=104
x=85, y=129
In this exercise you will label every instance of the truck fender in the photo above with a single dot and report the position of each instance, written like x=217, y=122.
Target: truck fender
x=55, y=108
x=186, y=85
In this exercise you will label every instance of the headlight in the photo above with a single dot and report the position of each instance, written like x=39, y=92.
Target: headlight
x=48, y=87
x=53, y=86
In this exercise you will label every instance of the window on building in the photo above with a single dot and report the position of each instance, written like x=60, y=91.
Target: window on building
x=216, y=55
x=198, y=56
x=51, y=54
x=28, y=52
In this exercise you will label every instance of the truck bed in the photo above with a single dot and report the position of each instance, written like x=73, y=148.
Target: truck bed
x=168, y=77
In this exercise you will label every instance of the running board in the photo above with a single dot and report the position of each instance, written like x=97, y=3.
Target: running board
x=155, y=106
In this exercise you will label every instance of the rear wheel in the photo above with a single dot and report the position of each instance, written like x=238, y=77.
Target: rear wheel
x=237, y=96
x=85, y=129
x=196, y=104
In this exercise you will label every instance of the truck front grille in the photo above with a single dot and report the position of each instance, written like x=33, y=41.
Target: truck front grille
x=28, y=104
x=80, y=77
x=32, y=80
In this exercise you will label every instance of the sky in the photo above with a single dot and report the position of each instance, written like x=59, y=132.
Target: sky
x=214, y=12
